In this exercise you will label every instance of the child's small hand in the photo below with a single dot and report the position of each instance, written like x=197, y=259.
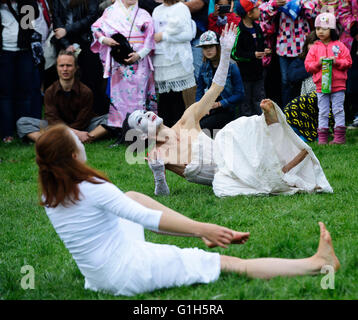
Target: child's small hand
x=216, y=105
x=216, y=10
x=158, y=37
x=267, y=51
x=321, y=59
x=333, y=59
x=259, y=55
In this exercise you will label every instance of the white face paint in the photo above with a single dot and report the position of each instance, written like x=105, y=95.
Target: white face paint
x=144, y=121
x=81, y=155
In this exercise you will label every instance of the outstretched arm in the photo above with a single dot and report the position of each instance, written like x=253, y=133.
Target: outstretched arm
x=174, y=223
x=202, y=107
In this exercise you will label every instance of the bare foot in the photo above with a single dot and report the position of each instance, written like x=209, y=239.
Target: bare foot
x=325, y=254
x=238, y=238
x=269, y=111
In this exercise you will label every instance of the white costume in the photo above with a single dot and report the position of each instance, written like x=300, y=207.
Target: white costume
x=247, y=157
x=104, y=233
x=173, y=59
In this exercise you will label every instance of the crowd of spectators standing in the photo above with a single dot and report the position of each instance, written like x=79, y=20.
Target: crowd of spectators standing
x=62, y=61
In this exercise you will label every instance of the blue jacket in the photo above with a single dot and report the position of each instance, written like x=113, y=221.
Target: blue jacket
x=233, y=91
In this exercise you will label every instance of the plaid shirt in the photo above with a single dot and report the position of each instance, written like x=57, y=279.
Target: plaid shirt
x=291, y=33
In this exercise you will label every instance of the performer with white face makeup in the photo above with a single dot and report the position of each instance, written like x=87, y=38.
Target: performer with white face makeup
x=251, y=155
x=143, y=121
x=103, y=229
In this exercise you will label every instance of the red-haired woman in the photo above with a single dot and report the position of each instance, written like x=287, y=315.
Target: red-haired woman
x=103, y=229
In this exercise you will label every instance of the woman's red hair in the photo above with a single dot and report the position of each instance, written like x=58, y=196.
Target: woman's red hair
x=59, y=171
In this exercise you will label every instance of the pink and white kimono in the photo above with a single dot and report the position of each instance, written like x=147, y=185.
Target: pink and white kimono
x=132, y=87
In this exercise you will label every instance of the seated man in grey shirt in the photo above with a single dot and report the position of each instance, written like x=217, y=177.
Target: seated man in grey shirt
x=66, y=101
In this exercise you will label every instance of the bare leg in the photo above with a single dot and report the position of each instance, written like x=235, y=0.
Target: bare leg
x=98, y=132
x=34, y=135
x=269, y=111
x=266, y=268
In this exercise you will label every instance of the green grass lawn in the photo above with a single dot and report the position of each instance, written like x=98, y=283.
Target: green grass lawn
x=280, y=226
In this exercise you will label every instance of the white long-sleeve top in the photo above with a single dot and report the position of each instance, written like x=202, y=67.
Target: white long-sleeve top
x=94, y=233
x=174, y=22
x=176, y=26
x=104, y=233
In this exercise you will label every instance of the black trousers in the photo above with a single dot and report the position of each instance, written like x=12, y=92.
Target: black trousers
x=272, y=78
x=91, y=74
x=254, y=93
x=218, y=118
x=171, y=107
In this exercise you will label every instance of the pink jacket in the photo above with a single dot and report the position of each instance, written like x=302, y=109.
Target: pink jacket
x=339, y=71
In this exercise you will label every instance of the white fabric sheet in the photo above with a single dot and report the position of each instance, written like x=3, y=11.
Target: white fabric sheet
x=250, y=155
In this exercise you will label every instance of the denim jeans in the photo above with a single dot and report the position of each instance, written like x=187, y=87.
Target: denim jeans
x=285, y=85
x=16, y=78
x=37, y=96
x=197, y=56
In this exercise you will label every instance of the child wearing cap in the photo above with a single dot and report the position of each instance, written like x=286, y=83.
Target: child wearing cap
x=248, y=51
x=329, y=47
x=226, y=106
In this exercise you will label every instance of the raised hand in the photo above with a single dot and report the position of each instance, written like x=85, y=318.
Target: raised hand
x=227, y=41
x=228, y=37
